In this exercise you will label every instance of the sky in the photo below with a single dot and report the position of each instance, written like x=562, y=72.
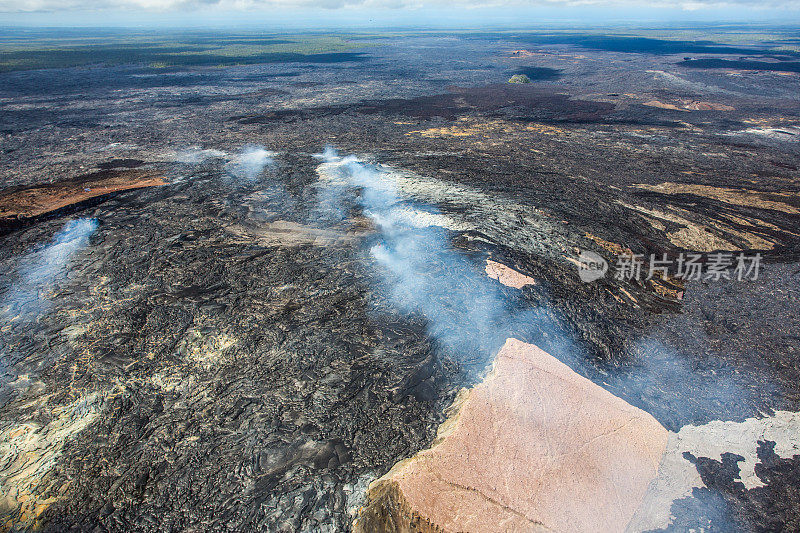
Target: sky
x=386, y=13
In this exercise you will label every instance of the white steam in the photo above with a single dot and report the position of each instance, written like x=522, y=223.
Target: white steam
x=247, y=164
x=39, y=272
x=195, y=155
x=422, y=273
x=469, y=314
x=250, y=162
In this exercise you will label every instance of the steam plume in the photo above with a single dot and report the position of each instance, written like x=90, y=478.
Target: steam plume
x=40, y=271
x=250, y=162
x=423, y=274
x=194, y=155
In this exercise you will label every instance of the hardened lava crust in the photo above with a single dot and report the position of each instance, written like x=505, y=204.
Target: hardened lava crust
x=196, y=334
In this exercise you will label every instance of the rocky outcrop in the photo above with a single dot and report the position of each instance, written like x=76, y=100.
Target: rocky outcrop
x=534, y=447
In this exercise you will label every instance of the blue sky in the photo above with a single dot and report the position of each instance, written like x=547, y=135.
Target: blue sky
x=386, y=13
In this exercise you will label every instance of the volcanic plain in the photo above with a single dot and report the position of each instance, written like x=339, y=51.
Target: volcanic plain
x=260, y=281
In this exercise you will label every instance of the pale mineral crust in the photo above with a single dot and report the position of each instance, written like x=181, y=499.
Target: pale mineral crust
x=535, y=446
x=507, y=275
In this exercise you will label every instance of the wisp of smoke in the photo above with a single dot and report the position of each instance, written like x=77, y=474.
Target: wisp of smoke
x=250, y=162
x=678, y=387
x=194, y=155
x=423, y=274
x=40, y=271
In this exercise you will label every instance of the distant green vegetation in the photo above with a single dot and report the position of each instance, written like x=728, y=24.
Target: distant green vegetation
x=667, y=39
x=733, y=35
x=70, y=50
x=26, y=49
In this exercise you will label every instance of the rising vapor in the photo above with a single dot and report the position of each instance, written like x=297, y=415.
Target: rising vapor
x=423, y=274
x=40, y=272
x=250, y=162
x=195, y=155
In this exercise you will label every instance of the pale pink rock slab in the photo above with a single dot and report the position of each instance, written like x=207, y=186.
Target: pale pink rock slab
x=507, y=275
x=533, y=447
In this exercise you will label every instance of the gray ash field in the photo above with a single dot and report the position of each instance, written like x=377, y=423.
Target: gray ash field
x=196, y=334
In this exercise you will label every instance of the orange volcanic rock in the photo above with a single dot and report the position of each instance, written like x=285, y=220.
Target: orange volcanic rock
x=534, y=447
x=507, y=275
x=690, y=105
x=708, y=106
x=662, y=105
x=30, y=202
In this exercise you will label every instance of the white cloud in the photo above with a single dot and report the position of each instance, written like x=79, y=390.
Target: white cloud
x=156, y=6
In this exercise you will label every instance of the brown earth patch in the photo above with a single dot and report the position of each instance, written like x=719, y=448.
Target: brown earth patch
x=778, y=201
x=662, y=105
x=466, y=127
x=708, y=236
x=612, y=247
x=690, y=105
x=669, y=288
x=28, y=452
x=708, y=106
x=18, y=204
x=507, y=275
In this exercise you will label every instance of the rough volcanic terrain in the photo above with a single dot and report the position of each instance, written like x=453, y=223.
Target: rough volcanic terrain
x=232, y=297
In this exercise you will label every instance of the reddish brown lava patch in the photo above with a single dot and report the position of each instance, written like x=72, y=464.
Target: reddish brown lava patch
x=20, y=203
